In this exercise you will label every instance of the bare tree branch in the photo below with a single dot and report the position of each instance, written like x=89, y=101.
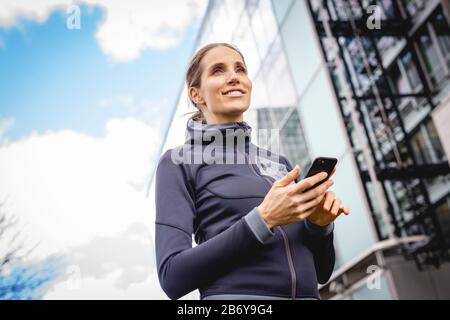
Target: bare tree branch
x=20, y=279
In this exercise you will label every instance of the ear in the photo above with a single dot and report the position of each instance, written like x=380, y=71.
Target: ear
x=195, y=95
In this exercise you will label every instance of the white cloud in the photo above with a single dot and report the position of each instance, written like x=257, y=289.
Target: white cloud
x=93, y=289
x=133, y=26
x=81, y=195
x=149, y=111
x=129, y=27
x=37, y=10
x=74, y=186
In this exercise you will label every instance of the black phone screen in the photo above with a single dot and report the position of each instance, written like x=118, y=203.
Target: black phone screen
x=321, y=164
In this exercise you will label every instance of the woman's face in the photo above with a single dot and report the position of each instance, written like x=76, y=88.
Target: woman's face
x=225, y=91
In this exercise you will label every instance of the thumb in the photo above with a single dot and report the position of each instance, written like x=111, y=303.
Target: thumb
x=291, y=176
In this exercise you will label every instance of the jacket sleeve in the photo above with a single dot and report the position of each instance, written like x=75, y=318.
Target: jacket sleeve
x=320, y=241
x=181, y=267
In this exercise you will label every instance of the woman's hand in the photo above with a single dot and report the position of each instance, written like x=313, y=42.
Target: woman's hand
x=286, y=203
x=328, y=210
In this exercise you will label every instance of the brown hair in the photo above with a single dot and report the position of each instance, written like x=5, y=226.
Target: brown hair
x=194, y=73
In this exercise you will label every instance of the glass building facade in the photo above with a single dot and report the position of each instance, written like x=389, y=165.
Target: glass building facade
x=295, y=90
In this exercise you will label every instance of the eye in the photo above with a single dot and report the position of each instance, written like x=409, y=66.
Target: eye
x=242, y=69
x=216, y=70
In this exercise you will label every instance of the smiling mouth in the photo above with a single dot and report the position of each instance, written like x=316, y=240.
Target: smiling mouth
x=234, y=93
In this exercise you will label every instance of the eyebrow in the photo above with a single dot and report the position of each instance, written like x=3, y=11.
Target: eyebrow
x=221, y=64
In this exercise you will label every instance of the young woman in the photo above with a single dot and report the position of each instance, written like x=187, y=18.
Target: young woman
x=258, y=235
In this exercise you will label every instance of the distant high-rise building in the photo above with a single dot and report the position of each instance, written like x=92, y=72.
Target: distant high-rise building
x=293, y=142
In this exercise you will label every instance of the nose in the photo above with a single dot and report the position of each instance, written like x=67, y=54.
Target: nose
x=233, y=77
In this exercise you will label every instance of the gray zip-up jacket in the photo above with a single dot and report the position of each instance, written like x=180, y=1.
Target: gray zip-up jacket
x=200, y=193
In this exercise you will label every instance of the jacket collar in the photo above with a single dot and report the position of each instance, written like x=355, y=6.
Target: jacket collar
x=201, y=133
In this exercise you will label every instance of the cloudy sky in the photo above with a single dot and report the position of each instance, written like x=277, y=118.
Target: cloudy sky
x=82, y=115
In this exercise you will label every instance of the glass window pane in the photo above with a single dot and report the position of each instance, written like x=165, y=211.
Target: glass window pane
x=221, y=28
x=244, y=40
x=276, y=74
x=301, y=46
x=280, y=8
x=430, y=54
x=411, y=71
x=235, y=10
x=264, y=27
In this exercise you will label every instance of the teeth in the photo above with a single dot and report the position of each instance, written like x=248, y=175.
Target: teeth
x=234, y=93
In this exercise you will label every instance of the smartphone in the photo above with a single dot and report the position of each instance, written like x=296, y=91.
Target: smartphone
x=321, y=164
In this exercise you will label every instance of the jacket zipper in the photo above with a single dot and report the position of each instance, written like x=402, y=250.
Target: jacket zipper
x=285, y=238
x=291, y=263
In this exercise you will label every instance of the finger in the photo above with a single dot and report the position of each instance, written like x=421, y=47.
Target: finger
x=291, y=176
x=309, y=182
x=335, y=208
x=329, y=198
x=337, y=215
x=317, y=191
x=305, y=206
x=306, y=214
x=344, y=210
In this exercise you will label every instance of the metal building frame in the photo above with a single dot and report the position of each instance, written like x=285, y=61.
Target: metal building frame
x=378, y=108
